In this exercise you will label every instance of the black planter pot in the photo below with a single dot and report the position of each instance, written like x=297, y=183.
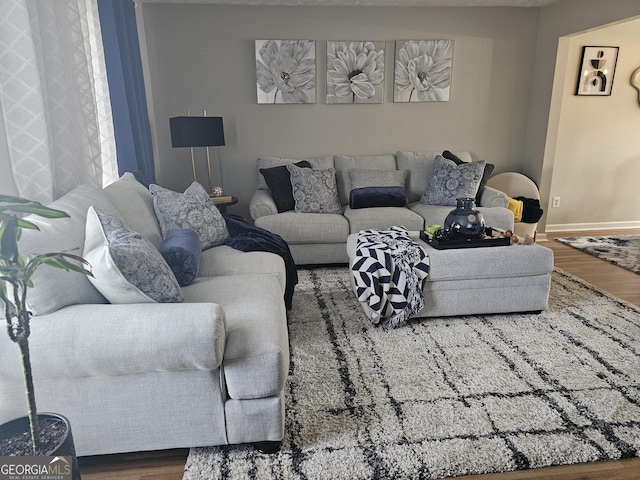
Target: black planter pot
x=66, y=447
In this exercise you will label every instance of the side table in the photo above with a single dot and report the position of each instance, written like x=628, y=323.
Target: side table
x=223, y=202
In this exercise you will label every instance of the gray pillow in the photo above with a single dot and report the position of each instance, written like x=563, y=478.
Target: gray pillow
x=193, y=210
x=377, y=178
x=450, y=181
x=314, y=191
x=126, y=267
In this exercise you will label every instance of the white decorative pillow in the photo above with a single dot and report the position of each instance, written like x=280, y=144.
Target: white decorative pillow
x=450, y=181
x=314, y=191
x=193, y=210
x=126, y=267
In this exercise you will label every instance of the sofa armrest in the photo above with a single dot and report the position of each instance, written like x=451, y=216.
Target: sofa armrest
x=262, y=204
x=490, y=197
x=106, y=339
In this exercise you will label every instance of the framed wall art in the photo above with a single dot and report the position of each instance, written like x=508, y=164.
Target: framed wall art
x=355, y=72
x=597, y=69
x=286, y=71
x=423, y=71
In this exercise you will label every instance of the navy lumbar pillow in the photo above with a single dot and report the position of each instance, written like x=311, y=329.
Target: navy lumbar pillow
x=181, y=250
x=368, y=197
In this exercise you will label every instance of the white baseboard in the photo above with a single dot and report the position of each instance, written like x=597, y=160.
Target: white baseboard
x=569, y=227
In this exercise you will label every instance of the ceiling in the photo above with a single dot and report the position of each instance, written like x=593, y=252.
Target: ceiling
x=372, y=3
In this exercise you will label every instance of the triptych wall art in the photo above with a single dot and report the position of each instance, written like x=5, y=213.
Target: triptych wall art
x=286, y=71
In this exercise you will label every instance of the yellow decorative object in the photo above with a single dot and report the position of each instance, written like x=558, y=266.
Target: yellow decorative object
x=516, y=206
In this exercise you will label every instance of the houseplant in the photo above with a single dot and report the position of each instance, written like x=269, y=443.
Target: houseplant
x=16, y=274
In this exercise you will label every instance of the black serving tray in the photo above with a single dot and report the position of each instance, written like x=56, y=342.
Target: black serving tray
x=464, y=243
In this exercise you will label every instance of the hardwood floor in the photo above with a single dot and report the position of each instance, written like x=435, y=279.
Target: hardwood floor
x=169, y=465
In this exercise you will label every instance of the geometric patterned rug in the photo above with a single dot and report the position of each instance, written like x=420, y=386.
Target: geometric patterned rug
x=621, y=250
x=446, y=397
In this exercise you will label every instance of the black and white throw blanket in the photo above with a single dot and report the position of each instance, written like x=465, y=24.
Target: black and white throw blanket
x=389, y=270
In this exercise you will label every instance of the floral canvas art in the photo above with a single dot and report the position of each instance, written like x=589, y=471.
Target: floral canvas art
x=286, y=71
x=355, y=72
x=423, y=71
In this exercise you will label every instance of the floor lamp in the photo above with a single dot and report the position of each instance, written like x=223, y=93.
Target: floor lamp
x=197, y=132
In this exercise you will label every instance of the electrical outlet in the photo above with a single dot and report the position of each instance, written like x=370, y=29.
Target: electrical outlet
x=556, y=202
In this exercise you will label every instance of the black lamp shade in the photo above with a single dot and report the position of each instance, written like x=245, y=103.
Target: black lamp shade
x=196, y=131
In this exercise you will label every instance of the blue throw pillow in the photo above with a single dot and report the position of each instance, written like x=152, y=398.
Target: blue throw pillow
x=367, y=197
x=181, y=250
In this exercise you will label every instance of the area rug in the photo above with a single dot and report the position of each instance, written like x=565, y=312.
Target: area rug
x=449, y=396
x=621, y=250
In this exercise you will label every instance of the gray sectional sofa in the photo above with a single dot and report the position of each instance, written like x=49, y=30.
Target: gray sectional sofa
x=207, y=370
x=321, y=238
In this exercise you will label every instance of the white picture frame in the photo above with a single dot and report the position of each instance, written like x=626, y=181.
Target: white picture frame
x=355, y=72
x=285, y=71
x=422, y=71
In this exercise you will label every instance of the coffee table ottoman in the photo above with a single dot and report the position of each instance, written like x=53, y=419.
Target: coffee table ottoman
x=484, y=280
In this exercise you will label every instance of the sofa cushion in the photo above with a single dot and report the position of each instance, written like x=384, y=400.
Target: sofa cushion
x=256, y=355
x=127, y=268
x=319, y=163
x=314, y=191
x=53, y=288
x=279, y=182
x=135, y=206
x=312, y=228
x=181, y=250
x=488, y=170
x=225, y=260
x=377, y=188
x=192, y=209
x=344, y=164
x=450, y=181
x=380, y=218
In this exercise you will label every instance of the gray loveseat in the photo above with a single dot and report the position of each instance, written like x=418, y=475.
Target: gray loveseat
x=151, y=376
x=321, y=238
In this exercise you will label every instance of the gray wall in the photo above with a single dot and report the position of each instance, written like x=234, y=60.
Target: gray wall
x=596, y=140
x=202, y=57
x=554, y=72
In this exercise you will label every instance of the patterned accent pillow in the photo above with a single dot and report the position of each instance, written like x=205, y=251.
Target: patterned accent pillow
x=192, y=209
x=126, y=267
x=315, y=191
x=488, y=170
x=279, y=182
x=450, y=181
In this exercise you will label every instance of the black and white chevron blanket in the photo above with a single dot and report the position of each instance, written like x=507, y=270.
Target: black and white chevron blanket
x=389, y=270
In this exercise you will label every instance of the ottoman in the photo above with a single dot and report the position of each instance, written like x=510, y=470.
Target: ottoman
x=485, y=280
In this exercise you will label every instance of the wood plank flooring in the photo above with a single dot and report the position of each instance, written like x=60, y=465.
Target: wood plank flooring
x=169, y=465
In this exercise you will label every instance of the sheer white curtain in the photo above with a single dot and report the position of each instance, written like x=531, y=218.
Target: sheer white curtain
x=54, y=97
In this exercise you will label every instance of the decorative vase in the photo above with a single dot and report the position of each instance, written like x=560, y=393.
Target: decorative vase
x=464, y=221
x=65, y=448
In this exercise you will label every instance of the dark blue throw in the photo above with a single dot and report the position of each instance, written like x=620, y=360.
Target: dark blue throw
x=246, y=237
